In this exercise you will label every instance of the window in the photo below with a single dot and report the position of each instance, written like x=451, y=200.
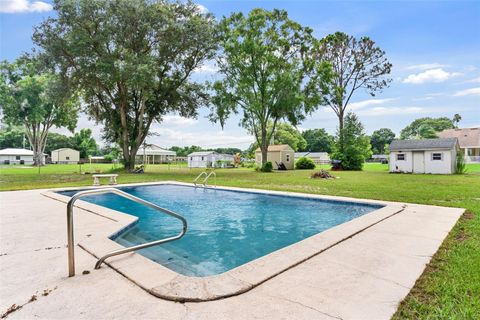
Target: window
x=191, y=158
x=68, y=158
x=17, y=157
x=288, y=158
x=437, y=156
x=400, y=156
x=202, y=158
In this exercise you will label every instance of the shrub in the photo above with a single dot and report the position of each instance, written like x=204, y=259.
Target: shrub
x=267, y=167
x=304, y=163
x=460, y=167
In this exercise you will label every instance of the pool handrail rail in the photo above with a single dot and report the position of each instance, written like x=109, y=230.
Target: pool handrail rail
x=70, y=231
x=205, y=181
x=198, y=177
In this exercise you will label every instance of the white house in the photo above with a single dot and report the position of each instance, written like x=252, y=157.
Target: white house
x=469, y=141
x=317, y=157
x=153, y=154
x=208, y=159
x=17, y=156
x=424, y=156
x=65, y=155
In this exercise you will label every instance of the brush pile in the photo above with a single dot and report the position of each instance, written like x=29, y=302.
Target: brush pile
x=322, y=174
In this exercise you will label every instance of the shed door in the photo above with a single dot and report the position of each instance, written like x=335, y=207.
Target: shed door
x=418, y=162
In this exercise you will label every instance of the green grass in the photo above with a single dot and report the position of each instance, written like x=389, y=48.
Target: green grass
x=449, y=287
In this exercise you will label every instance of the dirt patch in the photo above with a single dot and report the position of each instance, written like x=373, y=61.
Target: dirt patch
x=468, y=215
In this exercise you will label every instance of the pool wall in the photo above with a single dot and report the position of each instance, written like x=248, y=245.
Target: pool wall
x=165, y=283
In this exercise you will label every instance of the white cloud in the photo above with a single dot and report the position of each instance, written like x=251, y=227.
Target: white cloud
x=383, y=111
x=208, y=139
x=432, y=75
x=206, y=68
x=178, y=120
x=474, y=80
x=366, y=103
x=202, y=8
x=468, y=92
x=20, y=6
x=426, y=66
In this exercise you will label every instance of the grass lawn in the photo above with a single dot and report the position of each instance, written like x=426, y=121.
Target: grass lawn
x=448, y=289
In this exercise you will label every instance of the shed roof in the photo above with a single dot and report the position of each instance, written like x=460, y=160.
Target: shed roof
x=201, y=153
x=467, y=137
x=62, y=149
x=277, y=147
x=425, y=144
x=154, y=150
x=17, y=152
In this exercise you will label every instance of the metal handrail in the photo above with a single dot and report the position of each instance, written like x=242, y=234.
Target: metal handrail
x=205, y=181
x=71, y=252
x=198, y=177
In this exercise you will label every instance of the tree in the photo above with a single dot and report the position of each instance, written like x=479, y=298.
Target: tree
x=424, y=128
x=357, y=64
x=56, y=141
x=456, y=119
x=352, y=146
x=132, y=60
x=12, y=137
x=185, y=151
x=286, y=134
x=381, y=138
x=268, y=73
x=85, y=143
x=31, y=97
x=318, y=140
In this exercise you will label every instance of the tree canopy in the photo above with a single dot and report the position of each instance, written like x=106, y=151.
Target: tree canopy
x=381, y=138
x=318, y=140
x=36, y=99
x=268, y=71
x=357, y=64
x=131, y=60
x=85, y=143
x=352, y=146
x=426, y=128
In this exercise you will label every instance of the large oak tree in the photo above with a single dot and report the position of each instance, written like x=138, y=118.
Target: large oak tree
x=268, y=73
x=132, y=61
x=36, y=99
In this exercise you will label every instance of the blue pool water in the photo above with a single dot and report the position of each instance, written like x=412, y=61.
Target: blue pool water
x=225, y=228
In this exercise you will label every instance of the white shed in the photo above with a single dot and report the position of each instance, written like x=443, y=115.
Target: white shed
x=208, y=159
x=424, y=156
x=17, y=156
x=65, y=155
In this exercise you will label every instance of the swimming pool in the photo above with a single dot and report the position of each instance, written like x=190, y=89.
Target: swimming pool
x=226, y=228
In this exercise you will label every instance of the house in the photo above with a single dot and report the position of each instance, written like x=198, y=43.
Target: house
x=153, y=154
x=317, y=157
x=18, y=156
x=277, y=153
x=208, y=159
x=65, y=155
x=469, y=141
x=424, y=156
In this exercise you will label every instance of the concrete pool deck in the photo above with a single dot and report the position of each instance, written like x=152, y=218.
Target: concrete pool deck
x=363, y=277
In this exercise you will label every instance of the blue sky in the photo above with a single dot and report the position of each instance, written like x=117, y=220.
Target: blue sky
x=434, y=47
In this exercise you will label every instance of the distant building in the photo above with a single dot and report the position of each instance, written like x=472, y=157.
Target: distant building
x=208, y=159
x=153, y=154
x=424, y=156
x=469, y=141
x=18, y=156
x=276, y=154
x=317, y=157
x=65, y=156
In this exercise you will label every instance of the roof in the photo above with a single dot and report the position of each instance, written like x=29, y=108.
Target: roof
x=399, y=145
x=467, y=137
x=16, y=152
x=277, y=147
x=154, y=150
x=61, y=149
x=312, y=154
x=201, y=153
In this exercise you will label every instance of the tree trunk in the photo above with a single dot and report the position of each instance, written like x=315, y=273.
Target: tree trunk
x=264, y=147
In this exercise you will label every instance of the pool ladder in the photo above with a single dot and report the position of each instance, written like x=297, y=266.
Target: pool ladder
x=78, y=195
x=205, y=181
